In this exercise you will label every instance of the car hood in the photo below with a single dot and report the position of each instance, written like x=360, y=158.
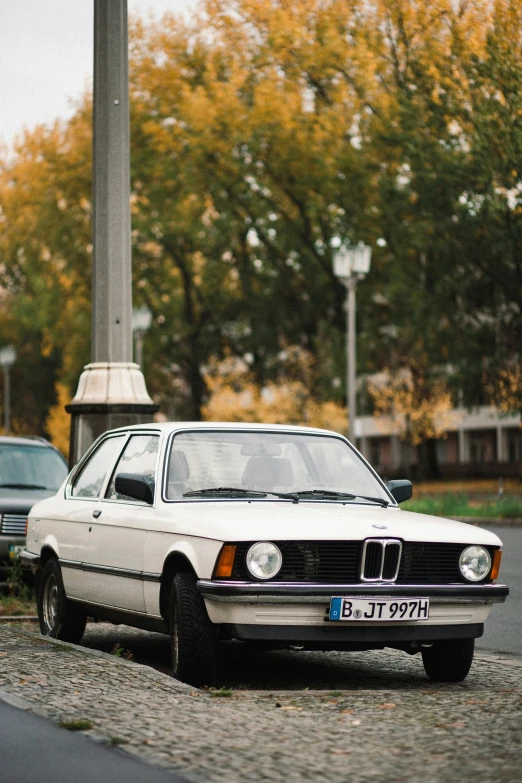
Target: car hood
x=319, y=521
x=16, y=501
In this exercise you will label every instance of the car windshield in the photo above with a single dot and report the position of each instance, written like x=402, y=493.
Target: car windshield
x=30, y=467
x=240, y=463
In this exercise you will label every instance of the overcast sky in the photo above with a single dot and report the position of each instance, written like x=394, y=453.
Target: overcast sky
x=46, y=57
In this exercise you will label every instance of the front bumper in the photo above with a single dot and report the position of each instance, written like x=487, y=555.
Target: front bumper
x=299, y=612
x=297, y=592
x=30, y=559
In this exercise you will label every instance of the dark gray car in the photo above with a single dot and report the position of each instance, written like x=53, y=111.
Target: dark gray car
x=31, y=469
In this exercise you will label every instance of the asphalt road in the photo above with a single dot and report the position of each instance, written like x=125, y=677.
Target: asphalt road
x=503, y=629
x=34, y=749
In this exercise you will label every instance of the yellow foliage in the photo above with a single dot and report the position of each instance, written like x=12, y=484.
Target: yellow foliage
x=58, y=423
x=235, y=396
x=505, y=389
x=421, y=405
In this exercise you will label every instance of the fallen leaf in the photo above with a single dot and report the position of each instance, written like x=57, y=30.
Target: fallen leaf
x=289, y=708
x=387, y=706
x=347, y=712
x=450, y=725
x=332, y=701
x=476, y=701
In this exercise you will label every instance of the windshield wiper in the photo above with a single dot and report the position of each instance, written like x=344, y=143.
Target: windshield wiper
x=331, y=493
x=24, y=486
x=240, y=491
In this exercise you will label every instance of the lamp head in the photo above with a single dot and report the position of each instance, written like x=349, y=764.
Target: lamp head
x=7, y=355
x=362, y=256
x=350, y=260
x=141, y=319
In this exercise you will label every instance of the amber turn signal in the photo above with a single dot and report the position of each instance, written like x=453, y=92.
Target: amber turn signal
x=225, y=562
x=497, y=557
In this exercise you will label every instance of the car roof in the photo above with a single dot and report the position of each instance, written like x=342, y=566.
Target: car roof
x=25, y=440
x=174, y=426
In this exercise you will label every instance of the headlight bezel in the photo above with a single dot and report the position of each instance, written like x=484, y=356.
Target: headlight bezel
x=467, y=554
x=259, y=576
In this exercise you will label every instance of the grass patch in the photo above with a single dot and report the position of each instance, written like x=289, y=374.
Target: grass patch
x=81, y=724
x=121, y=652
x=115, y=741
x=222, y=693
x=459, y=505
x=14, y=606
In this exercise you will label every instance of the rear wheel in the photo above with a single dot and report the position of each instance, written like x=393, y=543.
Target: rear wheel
x=193, y=637
x=59, y=618
x=449, y=660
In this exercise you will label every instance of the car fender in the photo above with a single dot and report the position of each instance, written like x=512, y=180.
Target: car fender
x=49, y=544
x=199, y=552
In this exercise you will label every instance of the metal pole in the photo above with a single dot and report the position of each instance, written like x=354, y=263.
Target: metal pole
x=350, y=357
x=138, y=334
x=111, y=391
x=7, y=399
x=111, y=279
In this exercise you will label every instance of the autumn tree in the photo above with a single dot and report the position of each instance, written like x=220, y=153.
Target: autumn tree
x=260, y=131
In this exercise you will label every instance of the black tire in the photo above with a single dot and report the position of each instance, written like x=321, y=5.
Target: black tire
x=448, y=661
x=59, y=618
x=193, y=637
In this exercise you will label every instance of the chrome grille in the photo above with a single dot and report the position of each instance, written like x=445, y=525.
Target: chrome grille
x=380, y=559
x=13, y=524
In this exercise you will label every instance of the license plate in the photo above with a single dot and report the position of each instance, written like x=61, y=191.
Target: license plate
x=14, y=551
x=375, y=610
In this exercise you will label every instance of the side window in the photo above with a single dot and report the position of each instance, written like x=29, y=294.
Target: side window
x=91, y=477
x=140, y=455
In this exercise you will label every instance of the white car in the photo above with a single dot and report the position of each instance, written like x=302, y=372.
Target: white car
x=272, y=535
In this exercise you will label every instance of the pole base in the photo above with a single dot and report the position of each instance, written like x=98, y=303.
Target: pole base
x=109, y=395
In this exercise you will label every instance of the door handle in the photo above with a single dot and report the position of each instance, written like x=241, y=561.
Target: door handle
x=96, y=513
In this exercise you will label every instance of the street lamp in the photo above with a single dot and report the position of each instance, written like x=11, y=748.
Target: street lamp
x=351, y=264
x=7, y=359
x=141, y=321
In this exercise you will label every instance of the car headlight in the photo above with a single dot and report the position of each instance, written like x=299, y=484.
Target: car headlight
x=474, y=563
x=264, y=560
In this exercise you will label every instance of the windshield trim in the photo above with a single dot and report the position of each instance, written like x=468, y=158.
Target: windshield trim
x=280, y=431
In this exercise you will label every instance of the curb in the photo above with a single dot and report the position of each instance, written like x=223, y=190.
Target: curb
x=152, y=674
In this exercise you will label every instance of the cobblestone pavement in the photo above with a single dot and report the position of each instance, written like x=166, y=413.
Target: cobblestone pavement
x=388, y=723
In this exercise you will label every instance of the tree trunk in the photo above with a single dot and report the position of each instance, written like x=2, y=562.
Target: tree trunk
x=428, y=462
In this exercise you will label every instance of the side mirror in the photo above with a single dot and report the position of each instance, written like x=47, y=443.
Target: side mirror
x=135, y=485
x=400, y=489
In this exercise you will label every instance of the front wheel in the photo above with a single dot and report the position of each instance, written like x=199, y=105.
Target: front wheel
x=59, y=618
x=193, y=637
x=448, y=661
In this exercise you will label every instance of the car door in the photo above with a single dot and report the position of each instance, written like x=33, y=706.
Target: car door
x=75, y=513
x=116, y=539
